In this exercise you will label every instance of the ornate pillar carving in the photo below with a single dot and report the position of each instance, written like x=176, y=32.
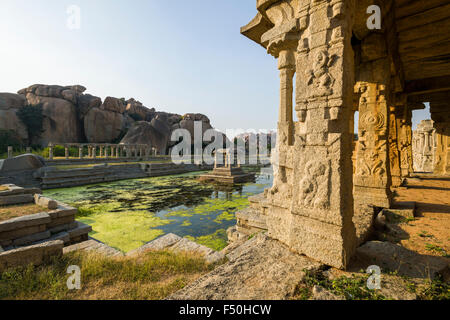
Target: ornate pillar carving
x=394, y=154
x=404, y=128
x=311, y=204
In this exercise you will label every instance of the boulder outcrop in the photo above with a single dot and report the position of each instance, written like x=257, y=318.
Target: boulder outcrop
x=73, y=116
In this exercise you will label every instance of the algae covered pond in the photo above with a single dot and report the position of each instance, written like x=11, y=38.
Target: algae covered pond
x=130, y=213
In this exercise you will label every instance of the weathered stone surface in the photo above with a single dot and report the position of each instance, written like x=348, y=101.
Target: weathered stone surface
x=32, y=238
x=17, y=199
x=175, y=243
x=260, y=269
x=21, y=163
x=25, y=221
x=80, y=230
x=60, y=119
x=423, y=146
x=103, y=126
x=320, y=293
x=9, y=105
x=45, y=202
x=155, y=134
x=159, y=244
x=36, y=254
x=392, y=257
x=93, y=245
x=114, y=105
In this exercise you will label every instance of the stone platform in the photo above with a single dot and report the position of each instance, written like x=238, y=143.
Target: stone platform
x=20, y=236
x=227, y=175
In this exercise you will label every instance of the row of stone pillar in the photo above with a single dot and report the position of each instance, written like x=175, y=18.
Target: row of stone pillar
x=107, y=151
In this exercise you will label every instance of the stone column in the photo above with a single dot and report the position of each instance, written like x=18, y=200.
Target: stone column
x=101, y=151
x=94, y=152
x=441, y=116
x=404, y=130
x=50, y=151
x=311, y=203
x=66, y=151
x=28, y=150
x=372, y=179
x=394, y=154
x=10, y=152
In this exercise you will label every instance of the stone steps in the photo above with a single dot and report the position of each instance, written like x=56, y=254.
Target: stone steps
x=93, y=245
x=175, y=243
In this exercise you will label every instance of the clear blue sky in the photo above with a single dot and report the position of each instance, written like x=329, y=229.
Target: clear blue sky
x=175, y=55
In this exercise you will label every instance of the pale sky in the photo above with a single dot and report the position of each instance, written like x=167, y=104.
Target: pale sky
x=175, y=55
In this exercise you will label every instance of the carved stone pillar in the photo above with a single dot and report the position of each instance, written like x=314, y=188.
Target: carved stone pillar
x=423, y=145
x=94, y=152
x=66, y=151
x=404, y=129
x=10, y=152
x=394, y=154
x=311, y=204
x=80, y=152
x=440, y=113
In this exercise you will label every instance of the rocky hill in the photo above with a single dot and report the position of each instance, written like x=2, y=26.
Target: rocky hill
x=72, y=116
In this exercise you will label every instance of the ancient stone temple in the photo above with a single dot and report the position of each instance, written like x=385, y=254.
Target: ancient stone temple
x=424, y=140
x=346, y=57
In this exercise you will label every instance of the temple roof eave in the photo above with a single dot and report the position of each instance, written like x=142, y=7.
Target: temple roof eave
x=256, y=28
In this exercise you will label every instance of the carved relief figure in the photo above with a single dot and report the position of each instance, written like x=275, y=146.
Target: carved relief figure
x=314, y=187
x=319, y=77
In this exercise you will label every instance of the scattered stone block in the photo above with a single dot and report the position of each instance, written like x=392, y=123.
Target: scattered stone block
x=45, y=202
x=16, y=199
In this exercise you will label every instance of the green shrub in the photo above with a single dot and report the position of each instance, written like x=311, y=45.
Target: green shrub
x=8, y=138
x=32, y=117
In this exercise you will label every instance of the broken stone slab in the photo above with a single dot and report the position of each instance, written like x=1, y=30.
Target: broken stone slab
x=25, y=221
x=260, y=269
x=16, y=199
x=391, y=257
x=320, y=293
x=45, y=202
x=27, y=240
x=36, y=254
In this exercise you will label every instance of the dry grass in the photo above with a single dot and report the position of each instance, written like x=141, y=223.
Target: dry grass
x=152, y=276
x=9, y=212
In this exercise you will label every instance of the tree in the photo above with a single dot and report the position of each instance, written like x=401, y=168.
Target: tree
x=32, y=118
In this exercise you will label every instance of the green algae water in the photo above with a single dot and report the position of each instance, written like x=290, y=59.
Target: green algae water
x=130, y=213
